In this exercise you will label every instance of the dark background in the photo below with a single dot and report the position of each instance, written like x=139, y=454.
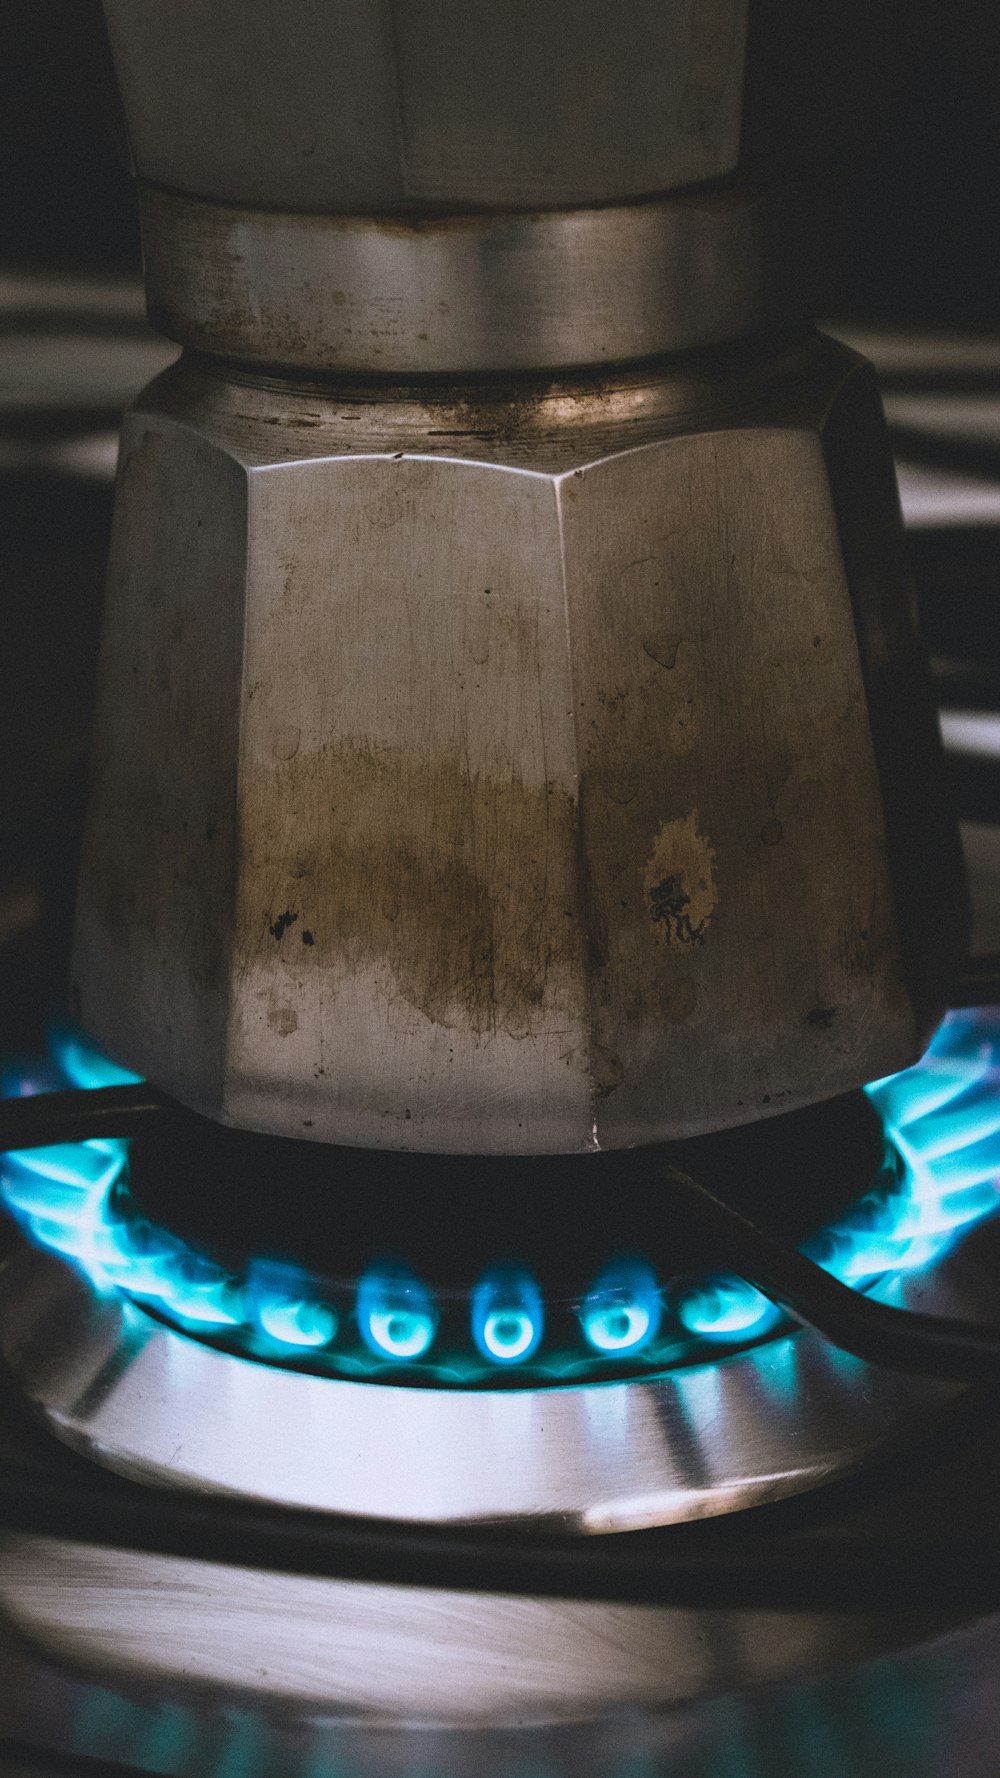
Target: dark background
x=923, y=181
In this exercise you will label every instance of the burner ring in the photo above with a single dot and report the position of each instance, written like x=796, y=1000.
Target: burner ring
x=122, y=1387
x=751, y=1425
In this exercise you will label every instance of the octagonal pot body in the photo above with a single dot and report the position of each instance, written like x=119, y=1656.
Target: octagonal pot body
x=514, y=770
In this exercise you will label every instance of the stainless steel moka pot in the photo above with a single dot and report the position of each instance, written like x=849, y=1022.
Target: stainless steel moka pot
x=512, y=731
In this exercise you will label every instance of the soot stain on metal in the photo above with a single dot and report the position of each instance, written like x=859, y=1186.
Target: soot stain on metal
x=679, y=883
x=462, y=884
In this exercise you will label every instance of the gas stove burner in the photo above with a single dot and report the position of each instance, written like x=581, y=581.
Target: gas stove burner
x=525, y=1317
x=639, y=1388
x=500, y=1272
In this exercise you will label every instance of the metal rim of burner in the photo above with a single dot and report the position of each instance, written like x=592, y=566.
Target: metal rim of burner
x=589, y=1456
x=158, y=1406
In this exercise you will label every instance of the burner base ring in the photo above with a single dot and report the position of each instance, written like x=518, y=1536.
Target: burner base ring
x=145, y=1400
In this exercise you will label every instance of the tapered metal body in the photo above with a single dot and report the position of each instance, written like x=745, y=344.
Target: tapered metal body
x=535, y=758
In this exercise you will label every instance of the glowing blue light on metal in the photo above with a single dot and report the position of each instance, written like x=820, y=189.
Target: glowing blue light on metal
x=64, y=1196
x=618, y=1328
x=724, y=1308
x=623, y=1311
x=395, y=1314
x=942, y=1117
x=299, y=1324
x=85, y=1066
x=507, y=1316
x=281, y=1300
x=509, y=1334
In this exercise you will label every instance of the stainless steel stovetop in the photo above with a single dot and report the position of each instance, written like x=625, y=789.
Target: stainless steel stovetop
x=853, y=1636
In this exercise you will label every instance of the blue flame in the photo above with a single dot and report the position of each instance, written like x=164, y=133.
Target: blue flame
x=507, y=1316
x=395, y=1314
x=941, y=1175
x=299, y=1323
x=725, y=1308
x=942, y=1119
x=64, y=1196
x=285, y=1311
x=624, y=1309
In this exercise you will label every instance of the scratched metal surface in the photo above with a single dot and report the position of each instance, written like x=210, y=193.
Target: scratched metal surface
x=928, y=1712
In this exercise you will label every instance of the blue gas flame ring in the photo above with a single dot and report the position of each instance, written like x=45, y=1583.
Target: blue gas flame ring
x=941, y=1174
x=396, y=1314
x=622, y=1313
x=507, y=1316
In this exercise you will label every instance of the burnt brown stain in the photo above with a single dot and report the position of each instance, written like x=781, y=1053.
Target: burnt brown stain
x=460, y=884
x=278, y=927
x=669, y=905
x=679, y=883
x=492, y=413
